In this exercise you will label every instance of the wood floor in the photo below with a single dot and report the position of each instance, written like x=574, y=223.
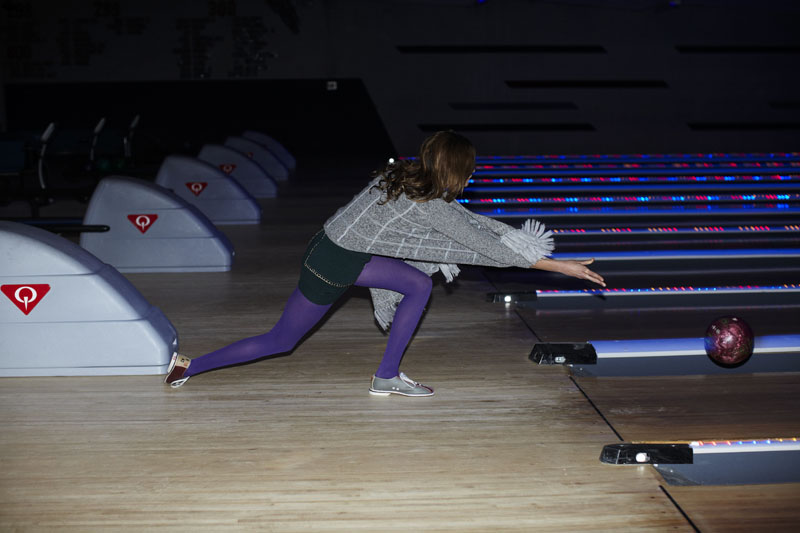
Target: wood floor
x=296, y=443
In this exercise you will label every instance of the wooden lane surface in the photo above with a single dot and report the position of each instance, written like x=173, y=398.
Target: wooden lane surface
x=740, y=508
x=297, y=444
x=694, y=408
x=707, y=408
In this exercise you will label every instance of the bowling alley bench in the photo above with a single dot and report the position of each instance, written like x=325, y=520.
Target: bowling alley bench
x=63, y=312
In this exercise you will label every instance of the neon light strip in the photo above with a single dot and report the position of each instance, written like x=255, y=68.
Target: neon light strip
x=635, y=154
x=766, y=178
x=757, y=156
x=629, y=188
x=620, y=171
x=660, y=291
x=673, y=229
x=686, y=347
x=482, y=168
x=783, y=197
x=634, y=210
x=685, y=353
x=653, y=255
x=755, y=445
x=685, y=156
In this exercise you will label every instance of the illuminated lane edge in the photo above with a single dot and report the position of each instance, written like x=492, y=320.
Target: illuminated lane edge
x=749, y=445
x=636, y=180
x=669, y=230
x=682, y=254
x=563, y=170
x=647, y=155
x=609, y=189
x=660, y=291
x=643, y=210
x=643, y=199
x=645, y=348
x=486, y=167
x=763, y=156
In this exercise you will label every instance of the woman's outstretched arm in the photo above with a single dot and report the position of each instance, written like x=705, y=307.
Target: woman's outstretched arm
x=568, y=267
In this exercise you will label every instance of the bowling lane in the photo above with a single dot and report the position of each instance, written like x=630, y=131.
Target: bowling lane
x=667, y=341
x=645, y=169
x=653, y=284
x=636, y=158
x=697, y=408
x=644, y=274
x=701, y=407
x=738, y=508
x=658, y=333
x=705, y=408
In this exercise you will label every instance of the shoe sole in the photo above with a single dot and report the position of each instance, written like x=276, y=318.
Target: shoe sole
x=171, y=366
x=385, y=393
x=178, y=382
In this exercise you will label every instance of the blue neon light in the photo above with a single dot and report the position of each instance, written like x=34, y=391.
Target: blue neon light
x=528, y=212
x=635, y=179
x=627, y=199
x=671, y=290
x=584, y=172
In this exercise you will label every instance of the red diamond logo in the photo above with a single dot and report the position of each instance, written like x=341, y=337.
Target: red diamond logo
x=25, y=297
x=142, y=222
x=227, y=168
x=196, y=186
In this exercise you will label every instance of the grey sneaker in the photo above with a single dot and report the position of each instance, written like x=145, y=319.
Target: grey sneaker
x=402, y=385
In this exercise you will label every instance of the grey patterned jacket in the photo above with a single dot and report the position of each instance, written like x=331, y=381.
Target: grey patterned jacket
x=431, y=236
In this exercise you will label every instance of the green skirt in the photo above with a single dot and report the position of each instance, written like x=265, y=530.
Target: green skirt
x=328, y=269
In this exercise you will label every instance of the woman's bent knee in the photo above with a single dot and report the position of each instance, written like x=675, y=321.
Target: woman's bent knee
x=423, y=284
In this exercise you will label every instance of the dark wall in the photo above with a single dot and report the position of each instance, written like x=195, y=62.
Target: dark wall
x=517, y=76
x=181, y=116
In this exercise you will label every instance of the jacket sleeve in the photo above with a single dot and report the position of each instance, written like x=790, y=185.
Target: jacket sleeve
x=496, y=226
x=454, y=221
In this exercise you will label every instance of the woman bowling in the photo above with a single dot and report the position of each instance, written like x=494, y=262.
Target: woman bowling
x=403, y=227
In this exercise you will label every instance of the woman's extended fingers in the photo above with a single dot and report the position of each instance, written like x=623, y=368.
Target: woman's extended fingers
x=595, y=277
x=592, y=276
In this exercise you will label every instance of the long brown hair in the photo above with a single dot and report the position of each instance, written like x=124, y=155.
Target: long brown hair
x=446, y=159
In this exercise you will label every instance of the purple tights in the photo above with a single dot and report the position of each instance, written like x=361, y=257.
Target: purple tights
x=300, y=315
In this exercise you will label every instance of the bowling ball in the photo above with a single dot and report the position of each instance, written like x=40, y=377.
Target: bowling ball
x=729, y=341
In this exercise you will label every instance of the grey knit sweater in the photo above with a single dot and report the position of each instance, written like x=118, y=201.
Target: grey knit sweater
x=432, y=236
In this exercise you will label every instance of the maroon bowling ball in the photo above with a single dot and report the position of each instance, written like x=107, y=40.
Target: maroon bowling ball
x=729, y=341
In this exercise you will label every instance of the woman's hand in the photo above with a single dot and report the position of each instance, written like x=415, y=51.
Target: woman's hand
x=568, y=267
